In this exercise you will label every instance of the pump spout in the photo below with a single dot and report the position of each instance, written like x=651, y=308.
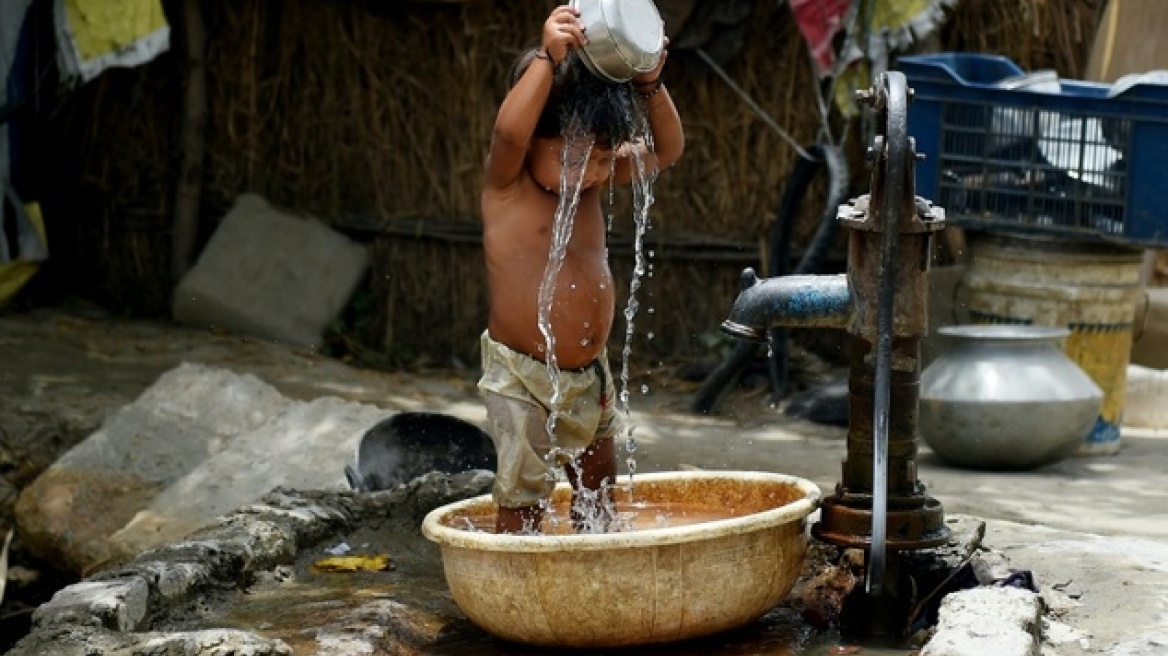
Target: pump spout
x=822, y=301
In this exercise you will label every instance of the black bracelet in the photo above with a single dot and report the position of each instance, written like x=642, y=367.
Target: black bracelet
x=544, y=54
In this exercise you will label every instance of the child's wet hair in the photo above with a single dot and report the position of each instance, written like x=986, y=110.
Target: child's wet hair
x=605, y=110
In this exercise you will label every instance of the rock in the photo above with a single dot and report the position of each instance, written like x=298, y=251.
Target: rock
x=128, y=611
x=198, y=444
x=213, y=642
x=1003, y=621
x=67, y=516
x=271, y=275
x=188, y=415
x=116, y=605
x=79, y=641
x=305, y=447
x=1145, y=397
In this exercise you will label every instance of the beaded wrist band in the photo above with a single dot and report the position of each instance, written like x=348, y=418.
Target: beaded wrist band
x=647, y=90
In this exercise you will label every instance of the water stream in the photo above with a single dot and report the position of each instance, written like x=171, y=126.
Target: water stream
x=573, y=160
x=642, y=184
x=578, y=144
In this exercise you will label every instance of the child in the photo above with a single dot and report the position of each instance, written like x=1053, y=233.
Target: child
x=522, y=185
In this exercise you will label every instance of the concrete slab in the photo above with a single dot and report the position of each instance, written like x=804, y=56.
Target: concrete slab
x=270, y=274
x=987, y=620
x=197, y=444
x=1109, y=593
x=305, y=447
x=190, y=414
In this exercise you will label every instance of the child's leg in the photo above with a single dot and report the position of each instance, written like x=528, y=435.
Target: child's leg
x=594, y=470
x=518, y=520
x=597, y=465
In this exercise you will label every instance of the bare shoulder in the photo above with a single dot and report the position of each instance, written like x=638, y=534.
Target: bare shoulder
x=511, y=204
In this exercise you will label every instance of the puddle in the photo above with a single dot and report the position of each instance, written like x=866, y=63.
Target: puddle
x=409, y=610
x=314, y=617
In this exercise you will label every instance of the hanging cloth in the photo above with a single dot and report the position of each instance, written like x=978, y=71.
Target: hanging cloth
x=874, y=31
x=819, y=21
x=93, y=35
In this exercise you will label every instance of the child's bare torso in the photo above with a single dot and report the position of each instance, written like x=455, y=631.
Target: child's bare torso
x=517, y=237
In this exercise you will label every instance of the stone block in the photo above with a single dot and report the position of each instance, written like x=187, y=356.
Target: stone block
x=115, y=605
x=188, y=415
x=1002, y=621
x=1146, y=400
x=306, y=447
x=271, y=275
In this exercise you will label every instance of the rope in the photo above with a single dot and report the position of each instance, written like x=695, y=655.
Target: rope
x=754, y=106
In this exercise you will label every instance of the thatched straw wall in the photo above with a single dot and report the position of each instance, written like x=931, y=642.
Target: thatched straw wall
x=379, y=114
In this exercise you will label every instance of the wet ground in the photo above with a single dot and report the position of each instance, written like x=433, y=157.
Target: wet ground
x=65, y=370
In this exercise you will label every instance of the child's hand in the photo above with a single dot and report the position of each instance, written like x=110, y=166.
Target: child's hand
x=563, y=31
x=654, y=75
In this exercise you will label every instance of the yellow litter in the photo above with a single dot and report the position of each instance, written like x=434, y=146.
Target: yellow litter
x=378, y=563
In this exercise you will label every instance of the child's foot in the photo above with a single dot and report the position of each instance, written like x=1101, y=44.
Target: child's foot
x=524, y=520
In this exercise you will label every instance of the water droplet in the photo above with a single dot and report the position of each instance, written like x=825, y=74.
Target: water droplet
x=584, y=341
x=649, y=336
x=644, y=389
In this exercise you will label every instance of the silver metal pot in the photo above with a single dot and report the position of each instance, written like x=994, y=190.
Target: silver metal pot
x=1006, y=397
x=625, y=37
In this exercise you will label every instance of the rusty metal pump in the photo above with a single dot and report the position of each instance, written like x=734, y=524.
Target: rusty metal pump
x=879, y=505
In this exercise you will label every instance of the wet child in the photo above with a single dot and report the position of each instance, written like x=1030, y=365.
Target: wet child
x=553, y=94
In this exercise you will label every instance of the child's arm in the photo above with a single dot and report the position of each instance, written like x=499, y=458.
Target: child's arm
x=668, y=135
x=520, y=111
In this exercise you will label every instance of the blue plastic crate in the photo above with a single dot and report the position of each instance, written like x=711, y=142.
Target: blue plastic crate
x=1074, y=163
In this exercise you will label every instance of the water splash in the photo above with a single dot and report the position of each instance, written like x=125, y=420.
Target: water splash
x=611, y=194
x=594, y=511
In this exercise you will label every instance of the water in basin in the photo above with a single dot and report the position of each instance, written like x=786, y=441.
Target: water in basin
x=631, y=516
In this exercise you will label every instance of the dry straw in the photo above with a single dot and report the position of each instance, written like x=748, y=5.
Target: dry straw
x=381, y=112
